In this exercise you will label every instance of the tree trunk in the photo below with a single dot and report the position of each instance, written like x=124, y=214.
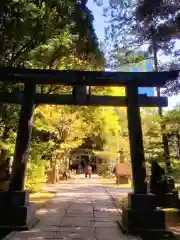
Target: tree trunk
x=178, y=144
x=57, y=172
x=5, y=133
x=53, y=171
x=160, y=110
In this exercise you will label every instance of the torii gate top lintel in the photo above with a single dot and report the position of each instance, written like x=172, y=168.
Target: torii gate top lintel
x=88, y=78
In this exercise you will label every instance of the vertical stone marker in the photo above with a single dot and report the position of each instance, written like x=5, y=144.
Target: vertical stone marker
x=123, y=173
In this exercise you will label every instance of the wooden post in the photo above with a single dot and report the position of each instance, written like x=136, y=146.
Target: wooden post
x=136, y=141
x=23, y=139
x=81, y=93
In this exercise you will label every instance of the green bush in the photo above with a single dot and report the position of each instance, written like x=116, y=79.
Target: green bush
x=104, y=170
x=35, y=176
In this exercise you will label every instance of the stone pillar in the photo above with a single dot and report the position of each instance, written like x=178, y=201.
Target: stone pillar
x=136, y=140
x=23, y=140
x=139, y=214
x=16, y=213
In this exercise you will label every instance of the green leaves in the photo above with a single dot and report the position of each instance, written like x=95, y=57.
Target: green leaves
x=152, y=138
x=123, y=59
x=49, y=35
x=28, y=26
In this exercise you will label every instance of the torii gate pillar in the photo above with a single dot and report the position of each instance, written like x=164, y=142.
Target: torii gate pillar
x=136, y=141
x=140, y=214
x=16, y=211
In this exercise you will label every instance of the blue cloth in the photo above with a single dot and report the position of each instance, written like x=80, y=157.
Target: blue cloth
x=144, y=66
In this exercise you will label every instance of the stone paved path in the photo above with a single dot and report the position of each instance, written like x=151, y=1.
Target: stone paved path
x=82, y=210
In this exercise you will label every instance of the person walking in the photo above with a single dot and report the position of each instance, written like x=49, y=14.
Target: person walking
x=86, y=171
x=89, y=171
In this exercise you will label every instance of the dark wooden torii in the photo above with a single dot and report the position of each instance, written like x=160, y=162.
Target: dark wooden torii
x=16, y=195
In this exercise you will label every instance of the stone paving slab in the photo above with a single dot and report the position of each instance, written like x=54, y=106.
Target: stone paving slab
x=111, y=233
x=76, y=233
x=33, y=234
x=79, y=222
x=106, y=224
x=108, y=219
x=106, y=214
x=80, y=214
x=80, y=211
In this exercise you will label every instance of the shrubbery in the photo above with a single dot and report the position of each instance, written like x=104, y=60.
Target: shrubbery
x=104, y=170
x=35, y=176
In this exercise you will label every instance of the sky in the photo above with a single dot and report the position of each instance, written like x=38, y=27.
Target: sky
x=99, y=20
x=99, y=25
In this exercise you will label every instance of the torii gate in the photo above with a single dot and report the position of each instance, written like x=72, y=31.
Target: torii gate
x=15, y=210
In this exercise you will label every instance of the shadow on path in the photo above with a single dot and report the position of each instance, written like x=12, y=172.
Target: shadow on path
x=80, y=210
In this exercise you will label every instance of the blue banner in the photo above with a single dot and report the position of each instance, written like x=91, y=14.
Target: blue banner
x=144, y=66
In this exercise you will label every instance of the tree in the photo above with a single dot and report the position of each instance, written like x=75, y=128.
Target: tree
x=143, y=24
x=120, y=15
x=163, y=16
x=35, y=35
x=25, y=25
x=55, y=128
x=171, y=87
x=173, y=131
x=120, y=58
x=131, y=22
x=153, y=141
x=151, y=137
x=159, y=22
